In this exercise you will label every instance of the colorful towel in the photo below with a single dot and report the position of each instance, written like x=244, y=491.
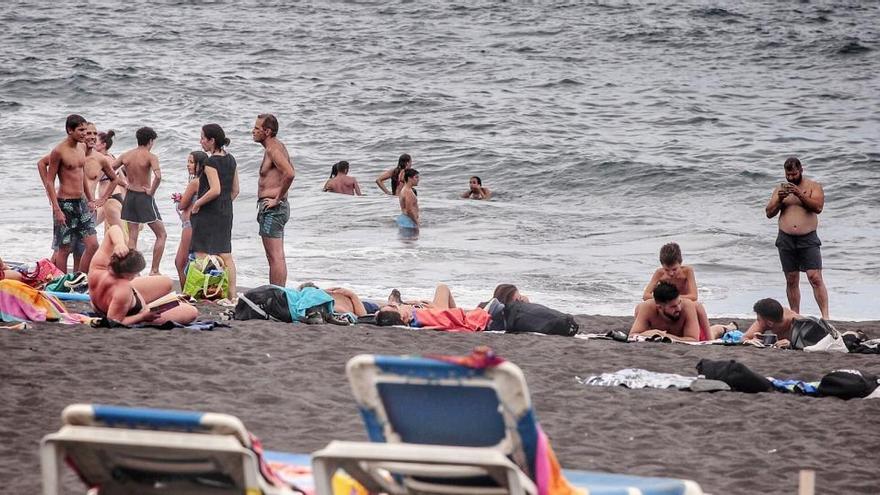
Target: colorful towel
x=38, y=273
x=480, y=358
x=309, y=297
x=548, y=473
x=21, y=302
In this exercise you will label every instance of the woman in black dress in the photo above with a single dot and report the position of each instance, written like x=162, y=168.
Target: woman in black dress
x=212, y=213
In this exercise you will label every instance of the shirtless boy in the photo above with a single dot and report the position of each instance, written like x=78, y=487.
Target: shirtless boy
x=673, y=314
x=770, y=316
x=343, y=183
x=409, y=201
x=799, y=201
x=273, y=210
x=139, y=206
x=72, y=203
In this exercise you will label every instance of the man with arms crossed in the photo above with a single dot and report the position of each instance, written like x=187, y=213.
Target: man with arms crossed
x=139, y=205
x=273, y=209
x=73, y=202
x=799, y=202
x=673, y=314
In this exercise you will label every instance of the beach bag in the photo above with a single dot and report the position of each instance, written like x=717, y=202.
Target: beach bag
x=523, y=317
x=266, y=302
x=848, y=384
x=39, y=273
x=69, y=282
x=808, y=331
x=206, y=278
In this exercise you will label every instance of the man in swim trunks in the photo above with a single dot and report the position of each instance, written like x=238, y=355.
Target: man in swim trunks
x=439, y=314
x=673, y=314
x=770, y=316
x=409, y=201
x=343, y=183
x=799, y=201
x=273, y=209
x=72, y=204
x=120, y=295
x=139, y=206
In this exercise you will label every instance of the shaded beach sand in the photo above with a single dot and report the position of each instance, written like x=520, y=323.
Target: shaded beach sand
x=287, y=383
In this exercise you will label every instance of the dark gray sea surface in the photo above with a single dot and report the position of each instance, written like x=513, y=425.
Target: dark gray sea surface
x=605, y=129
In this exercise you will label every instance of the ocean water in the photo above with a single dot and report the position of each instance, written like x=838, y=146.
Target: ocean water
x=605, y=129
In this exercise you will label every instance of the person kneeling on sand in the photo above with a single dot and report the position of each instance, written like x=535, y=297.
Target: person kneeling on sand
x=438, y=314
x=675, y=315
x=117, y=292
x=772, y=318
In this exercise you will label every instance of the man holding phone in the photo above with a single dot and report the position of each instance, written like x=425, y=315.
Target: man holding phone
x=799, y=201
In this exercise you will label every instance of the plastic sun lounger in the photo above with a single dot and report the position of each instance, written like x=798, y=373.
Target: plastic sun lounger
x=125, y=450
x=443, y=428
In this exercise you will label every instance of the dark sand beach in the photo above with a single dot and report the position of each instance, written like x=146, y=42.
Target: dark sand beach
x=287, y=383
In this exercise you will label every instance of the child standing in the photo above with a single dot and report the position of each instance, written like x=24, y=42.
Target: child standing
x=195, y=164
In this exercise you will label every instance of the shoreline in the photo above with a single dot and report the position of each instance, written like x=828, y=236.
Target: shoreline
x=287, y=383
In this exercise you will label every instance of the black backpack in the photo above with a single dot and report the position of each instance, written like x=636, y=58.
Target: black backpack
x=808, y=331
x=520, y=317
x=266, y=302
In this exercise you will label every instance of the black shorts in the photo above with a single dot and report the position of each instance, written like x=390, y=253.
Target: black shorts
x=140, y=207
x=799, y=253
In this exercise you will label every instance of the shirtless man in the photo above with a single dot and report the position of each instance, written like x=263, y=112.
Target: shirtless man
x=476, y=190
x=98, y=165
x=273, y=210
x=799, y=202
x=409, y=201
x=73, y=202
x=343, y=183
x=770, y=316
x=139, y=206
x=671, y=313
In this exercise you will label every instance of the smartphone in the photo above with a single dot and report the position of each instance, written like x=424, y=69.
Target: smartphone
x=165, y=307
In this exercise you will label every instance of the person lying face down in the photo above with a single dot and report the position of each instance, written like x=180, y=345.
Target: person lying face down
x=440, y=314
x=117, y=291
x=669, y=312
x=771, y=317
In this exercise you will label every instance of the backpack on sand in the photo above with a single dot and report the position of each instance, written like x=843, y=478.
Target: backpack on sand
x=530, y=317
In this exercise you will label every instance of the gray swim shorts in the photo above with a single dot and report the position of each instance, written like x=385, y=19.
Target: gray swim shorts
x=799, y=253
x=273, y=220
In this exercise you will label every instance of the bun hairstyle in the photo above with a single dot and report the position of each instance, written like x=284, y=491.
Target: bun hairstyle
x=215, y=132
x=107, y=137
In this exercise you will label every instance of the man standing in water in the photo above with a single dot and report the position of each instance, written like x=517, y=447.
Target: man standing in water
x=273, y=209
x=799, y=201
x=139, y=206
x=72, y=204
x=409, y=202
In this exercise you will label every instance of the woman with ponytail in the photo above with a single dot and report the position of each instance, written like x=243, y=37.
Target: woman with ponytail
x=211, y=215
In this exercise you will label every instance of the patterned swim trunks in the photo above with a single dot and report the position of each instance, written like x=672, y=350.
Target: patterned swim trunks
x=79, y=222
x=273, y=220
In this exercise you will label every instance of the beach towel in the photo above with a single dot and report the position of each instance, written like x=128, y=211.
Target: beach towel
x=21, y=302
x=300, y=301
x=452, y=319
x=639, y=378
x=548, y=473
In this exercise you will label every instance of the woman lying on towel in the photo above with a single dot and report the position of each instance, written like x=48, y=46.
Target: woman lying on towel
x=439, y=314
x=118, y=293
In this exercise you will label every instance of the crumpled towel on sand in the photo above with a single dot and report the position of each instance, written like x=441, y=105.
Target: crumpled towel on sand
x=639, y=378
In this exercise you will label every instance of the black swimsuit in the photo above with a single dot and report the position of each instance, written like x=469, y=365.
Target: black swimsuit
x=137, y=305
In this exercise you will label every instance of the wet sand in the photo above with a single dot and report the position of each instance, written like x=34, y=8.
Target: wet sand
x=287, y=383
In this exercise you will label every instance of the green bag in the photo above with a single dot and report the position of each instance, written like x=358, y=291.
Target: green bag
x=206, y=278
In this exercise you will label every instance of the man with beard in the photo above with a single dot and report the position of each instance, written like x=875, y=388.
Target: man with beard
x=670, y=313
x=798, y=203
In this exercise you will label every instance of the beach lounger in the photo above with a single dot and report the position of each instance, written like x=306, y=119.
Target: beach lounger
x=440, y=427
x=122, y=450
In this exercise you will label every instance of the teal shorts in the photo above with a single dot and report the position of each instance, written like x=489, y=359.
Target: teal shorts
x=273, y=220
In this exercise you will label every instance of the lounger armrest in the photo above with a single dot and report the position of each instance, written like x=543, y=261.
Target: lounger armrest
x=361, y=460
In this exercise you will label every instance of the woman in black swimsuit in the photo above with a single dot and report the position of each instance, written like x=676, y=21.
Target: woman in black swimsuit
x=211, y=214
x=120, y=295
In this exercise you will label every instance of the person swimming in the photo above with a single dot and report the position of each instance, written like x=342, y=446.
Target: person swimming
x=476, y=190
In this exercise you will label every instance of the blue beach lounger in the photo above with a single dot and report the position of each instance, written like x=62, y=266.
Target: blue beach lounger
x=444, y=428
x=122, y=450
